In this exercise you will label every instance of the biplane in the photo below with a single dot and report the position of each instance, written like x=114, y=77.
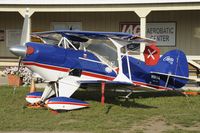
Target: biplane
x=68, y=59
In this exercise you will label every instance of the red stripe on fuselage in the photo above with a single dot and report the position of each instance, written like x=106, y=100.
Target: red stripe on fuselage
x=33, y=96
x=46, y=66
x=97, y=75
x=86, y=73
x=90, y=74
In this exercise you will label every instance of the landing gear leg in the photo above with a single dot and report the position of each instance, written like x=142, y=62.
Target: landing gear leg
x=48, y=92
x=127, y=96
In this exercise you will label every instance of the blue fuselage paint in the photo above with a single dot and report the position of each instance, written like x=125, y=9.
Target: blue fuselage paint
x=68, y=58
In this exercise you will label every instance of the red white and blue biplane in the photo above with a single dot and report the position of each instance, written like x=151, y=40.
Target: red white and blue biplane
x=67, y=59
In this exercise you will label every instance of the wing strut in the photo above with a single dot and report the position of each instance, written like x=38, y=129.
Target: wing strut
x=66, y=43
x=120, y=77
x=128, y=64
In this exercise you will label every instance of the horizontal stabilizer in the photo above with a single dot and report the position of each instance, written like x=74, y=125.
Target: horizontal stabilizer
x=170, y=75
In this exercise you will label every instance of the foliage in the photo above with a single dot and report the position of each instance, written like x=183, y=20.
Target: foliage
x=23, y=72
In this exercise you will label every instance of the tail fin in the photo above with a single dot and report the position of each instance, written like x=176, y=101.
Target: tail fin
x=173, y=63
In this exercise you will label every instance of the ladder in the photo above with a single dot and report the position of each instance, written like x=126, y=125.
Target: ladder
x=197, y=71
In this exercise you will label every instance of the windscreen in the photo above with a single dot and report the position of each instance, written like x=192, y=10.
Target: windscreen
x=50, y=38
x=105, y=50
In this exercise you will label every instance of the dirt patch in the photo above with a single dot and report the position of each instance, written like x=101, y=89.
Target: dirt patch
x=156, y=125
x=195, y=127
x=159, y=125
x=152, y=125
x=69, y=121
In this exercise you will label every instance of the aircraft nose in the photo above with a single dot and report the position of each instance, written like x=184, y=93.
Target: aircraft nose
x=19, y=50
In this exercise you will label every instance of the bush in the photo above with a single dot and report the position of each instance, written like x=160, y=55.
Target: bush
x=23, y=72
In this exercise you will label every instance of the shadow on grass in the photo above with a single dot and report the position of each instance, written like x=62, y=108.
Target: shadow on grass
x=132, y=104
x=116, y=98
x=96, y=94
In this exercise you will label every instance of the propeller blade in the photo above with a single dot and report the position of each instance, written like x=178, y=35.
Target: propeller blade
x=20, y=50
x=25, y=30
x=19, y=63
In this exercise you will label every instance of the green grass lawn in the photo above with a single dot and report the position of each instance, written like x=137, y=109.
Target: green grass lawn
x=170, y=114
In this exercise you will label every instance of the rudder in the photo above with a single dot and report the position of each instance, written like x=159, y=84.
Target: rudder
x=175, y=63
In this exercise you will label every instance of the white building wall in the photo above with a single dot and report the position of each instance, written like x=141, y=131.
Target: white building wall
x=187, y=28
x=188, y=25
x=8, y=21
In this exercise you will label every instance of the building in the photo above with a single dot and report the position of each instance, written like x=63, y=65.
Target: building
x=175, y=23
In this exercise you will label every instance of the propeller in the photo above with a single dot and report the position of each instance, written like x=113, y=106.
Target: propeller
x=19, y=63
x=25, y=30
x=20, y=50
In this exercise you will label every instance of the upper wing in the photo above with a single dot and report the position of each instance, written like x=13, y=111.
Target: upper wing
x=84, y=36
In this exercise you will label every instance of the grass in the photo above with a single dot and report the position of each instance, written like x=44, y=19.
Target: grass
x=179, y=113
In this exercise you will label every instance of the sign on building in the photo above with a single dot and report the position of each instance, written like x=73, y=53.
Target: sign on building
x=13, y=37
x=163, y=33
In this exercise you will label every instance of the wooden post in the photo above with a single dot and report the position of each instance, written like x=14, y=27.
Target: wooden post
x=142, y=13
x=102, y=93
